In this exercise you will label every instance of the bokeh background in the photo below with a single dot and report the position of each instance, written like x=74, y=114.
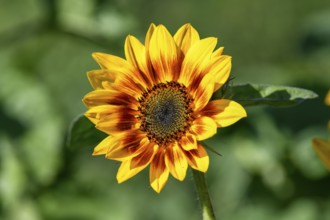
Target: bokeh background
x=268, y=169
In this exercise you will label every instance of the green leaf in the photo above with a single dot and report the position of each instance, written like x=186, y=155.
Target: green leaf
x=261, y=94
x=82, y=133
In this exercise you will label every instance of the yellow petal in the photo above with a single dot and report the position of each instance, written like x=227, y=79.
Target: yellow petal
x=204, y=127
x=104, y=145
x=97, y=97
x=99, y=78
x=133, y=166
x=176, y=162
x=327, y=98
x=196, y=60
x=217, y=52
x=158, y=171
x=150, y=32
x=204, y=92
x=114, y=63
x=136, y=54
x=188, y=142
x=322, y=148
x=224, y=112
x=198, y=159
x=119, y=67
x=185, y=37
x=152, y=73
x=164, y=54
x=220, y=70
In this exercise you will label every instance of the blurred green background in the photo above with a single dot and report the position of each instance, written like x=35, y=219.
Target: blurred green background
x=268, y=169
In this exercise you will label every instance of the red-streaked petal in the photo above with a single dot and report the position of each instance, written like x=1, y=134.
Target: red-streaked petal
x=112, y=97
x=188, y=142
x=224, y=112
x=164, y=54
x=104, y=145
x=117, y=122
x=135, y=53
x=119, y=67
x=128, y=86
x=204, y=127
x=133, y=166
x=150, y=32
x=176, y=162
x=196, y=60
x=158, y=171
x=198, y=159
x=129, y=145
x=185, y=37
x=204, y=92
x=97, y=113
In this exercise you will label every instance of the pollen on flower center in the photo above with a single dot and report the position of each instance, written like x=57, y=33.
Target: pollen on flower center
x=165, y=112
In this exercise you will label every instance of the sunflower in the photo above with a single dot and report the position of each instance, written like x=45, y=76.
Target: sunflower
x=155, y=105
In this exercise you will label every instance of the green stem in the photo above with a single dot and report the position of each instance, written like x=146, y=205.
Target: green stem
x=203, y=194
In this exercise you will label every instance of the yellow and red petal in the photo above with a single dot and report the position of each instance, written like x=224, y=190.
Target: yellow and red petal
x=176, y=161
x=224, y=112
x=119, y=67
x=198, y=159
x=105, y=145
x=150, y=32
x=130, y=144
x=203, y=128
x=203, y=92
x=133, y=166
x=185, y=37
x=109, y=96
x=164, y=54
x=128, y=86
x=97, y=97
x=117, y=122
x=158, y=171
x=135, y=54
x=220, y=70
x=196, y=60
x=188, y=142
x=97, y=113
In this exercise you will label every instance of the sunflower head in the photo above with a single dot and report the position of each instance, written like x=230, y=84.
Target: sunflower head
x=155, y=105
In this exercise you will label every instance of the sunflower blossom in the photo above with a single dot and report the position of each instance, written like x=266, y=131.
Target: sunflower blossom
x=156, y=106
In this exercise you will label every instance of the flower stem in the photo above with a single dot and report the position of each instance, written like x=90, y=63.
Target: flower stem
x=203, y=194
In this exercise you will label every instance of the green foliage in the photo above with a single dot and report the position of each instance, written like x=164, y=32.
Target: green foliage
x=276, y=96
x=82, y=133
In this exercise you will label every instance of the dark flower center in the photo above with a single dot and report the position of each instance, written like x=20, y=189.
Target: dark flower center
x=165, y=112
